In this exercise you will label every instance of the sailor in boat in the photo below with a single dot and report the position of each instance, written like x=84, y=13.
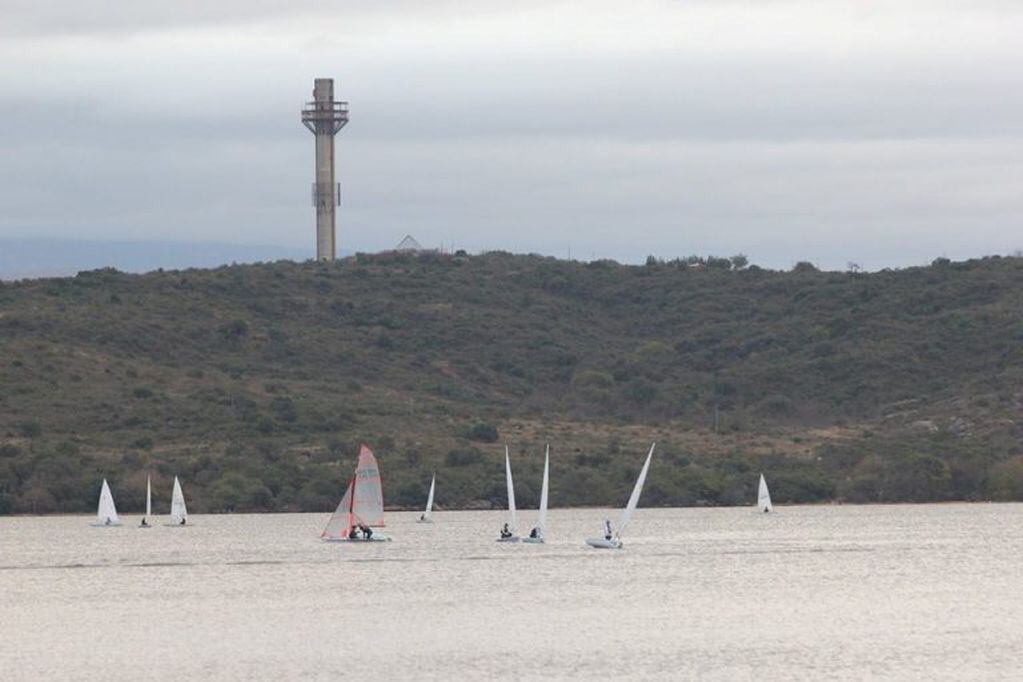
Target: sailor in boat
x=107, y=522
x=535, y=533
x=353, y=533
x=766, y=510
x=607, y=529
x=367, y=532
x=143, y=523
x=422, y=517
x=505, y=532
x=182, y=522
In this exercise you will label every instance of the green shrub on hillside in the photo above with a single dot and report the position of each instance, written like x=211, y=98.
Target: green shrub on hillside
x=483, y=432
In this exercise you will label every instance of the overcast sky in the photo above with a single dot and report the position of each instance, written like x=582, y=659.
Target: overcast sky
x=884, y=133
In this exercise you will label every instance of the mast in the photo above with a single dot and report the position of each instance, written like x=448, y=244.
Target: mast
x=351, y=506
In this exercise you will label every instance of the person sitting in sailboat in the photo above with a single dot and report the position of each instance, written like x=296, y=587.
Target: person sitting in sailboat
x=367, y=532
x=183, y=522
x=143, y=522
x=353, y=533
x=505, y=532
x=535, y=533
x=607, y=529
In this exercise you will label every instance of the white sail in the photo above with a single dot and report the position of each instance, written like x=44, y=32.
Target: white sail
x=512, y=522
x=149, y=503
x=106, y=514
x=636, y=491
x=178, y=511
x=429, y=499
x=763, y=496
x=368, y=494
x=340, y=521
x=541, y=521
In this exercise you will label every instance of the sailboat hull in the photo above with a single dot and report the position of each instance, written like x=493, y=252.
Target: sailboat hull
x=601, y=543
x=514, y=538
x=376, y=538
x=425, y=521
x=105, y=525
x=533, y=541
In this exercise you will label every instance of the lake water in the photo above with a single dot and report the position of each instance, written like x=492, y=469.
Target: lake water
x=889, y=592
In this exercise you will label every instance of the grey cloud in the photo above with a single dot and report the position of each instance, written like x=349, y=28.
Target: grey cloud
x=50, y=18
x=884, y=158
x=638, y=99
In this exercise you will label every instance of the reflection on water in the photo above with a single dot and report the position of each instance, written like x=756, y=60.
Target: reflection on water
x=882, y=591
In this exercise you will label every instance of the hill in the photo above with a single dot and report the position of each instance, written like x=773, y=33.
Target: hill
x=255, y=383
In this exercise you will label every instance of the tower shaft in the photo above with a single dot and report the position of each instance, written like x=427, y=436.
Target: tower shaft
x=326, y=201
x=324, y=117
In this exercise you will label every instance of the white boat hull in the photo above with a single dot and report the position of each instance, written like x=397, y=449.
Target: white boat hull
x=601, y=543
x=425, y=521
x=533, y=541
x=514, y=538
x=377, y=537
x=105, y=525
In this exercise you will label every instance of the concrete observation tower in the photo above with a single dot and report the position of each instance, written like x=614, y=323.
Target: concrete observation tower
x=324, y=117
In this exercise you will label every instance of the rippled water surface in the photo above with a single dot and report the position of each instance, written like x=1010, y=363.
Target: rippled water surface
x=808, y=592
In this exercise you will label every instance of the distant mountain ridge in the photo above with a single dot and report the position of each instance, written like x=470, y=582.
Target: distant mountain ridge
x=255, y=383
x=45, y=257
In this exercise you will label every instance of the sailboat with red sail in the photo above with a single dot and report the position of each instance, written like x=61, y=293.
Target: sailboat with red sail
x=362, y=507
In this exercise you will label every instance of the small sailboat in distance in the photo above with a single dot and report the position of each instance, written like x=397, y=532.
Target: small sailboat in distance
x=149, y=504
x=508, y=532
x=537, y=535
x=179, y=514
x=106, y=513
x=764, y=497
x=613, y=540
x=361, y=508
x=427, y=516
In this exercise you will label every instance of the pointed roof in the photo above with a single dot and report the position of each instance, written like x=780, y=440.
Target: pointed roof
x=408, y=244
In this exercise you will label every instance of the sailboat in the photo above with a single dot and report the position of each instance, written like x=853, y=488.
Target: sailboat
x=614, y=541
x=508, y=533
x=763, y=497
x=361, y=506
x=427, y=516
x=149, y=504
x=106, y=514
x=539, y=531
x=179, y=514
